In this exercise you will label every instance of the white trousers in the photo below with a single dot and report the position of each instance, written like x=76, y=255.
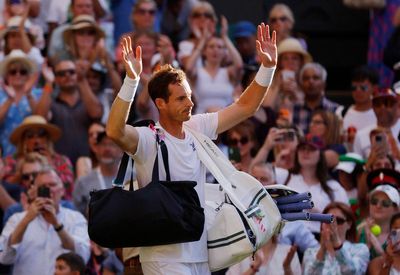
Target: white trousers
x=163, y=268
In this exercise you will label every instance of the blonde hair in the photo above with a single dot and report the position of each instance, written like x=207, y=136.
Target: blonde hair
x=206, y=6
x=285, y=9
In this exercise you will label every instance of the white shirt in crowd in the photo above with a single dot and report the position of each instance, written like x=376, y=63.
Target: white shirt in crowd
x=357, y=119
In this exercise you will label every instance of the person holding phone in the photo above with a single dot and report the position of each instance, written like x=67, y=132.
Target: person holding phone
x=32, y=239
x=389, y=262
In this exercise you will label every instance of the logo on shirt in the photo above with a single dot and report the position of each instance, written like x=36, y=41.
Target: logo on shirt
x=193, y=146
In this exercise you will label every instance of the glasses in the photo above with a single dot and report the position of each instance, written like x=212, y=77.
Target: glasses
x=340, y=220
x=383, y=203
x=63, y=73
x=234, y=141
x=144, y=11
x=276, y=19
x=360, y=87
x=18, y=71
x=40, y=133
x=29, y=176
x=86, y=32
x=207, y=15
x=384, y=101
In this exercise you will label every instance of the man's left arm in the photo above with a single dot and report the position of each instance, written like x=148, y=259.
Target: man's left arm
x=252, y=97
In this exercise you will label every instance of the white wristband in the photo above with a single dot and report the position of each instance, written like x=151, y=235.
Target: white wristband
x=264, y=76
x=128, y=89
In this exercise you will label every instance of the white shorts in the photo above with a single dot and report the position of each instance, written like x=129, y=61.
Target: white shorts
x=163, y=268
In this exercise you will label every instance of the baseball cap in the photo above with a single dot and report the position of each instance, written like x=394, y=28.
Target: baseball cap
x=390, y=191
x=348, y=162
x=244, y=29
x=313, y=140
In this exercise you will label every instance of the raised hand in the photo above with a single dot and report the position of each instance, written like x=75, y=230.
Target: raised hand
x=47, y=72
x=224, y=26
x=266, y=46
x=132, y=62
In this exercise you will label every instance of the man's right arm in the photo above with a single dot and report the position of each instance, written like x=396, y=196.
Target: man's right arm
x=126, y=136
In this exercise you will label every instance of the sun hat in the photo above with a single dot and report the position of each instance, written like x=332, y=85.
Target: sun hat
x=81, y=22
x=390, y=191
x=17, y=56
x=12, y=25
x=292, y=45
x=34, y=121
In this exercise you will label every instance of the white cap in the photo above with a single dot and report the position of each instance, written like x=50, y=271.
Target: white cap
x=390, y=191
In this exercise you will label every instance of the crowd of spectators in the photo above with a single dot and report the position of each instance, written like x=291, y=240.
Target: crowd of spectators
x=61, y=67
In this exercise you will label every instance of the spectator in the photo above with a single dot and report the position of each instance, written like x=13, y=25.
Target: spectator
x=69, y=264
x=383, y=204
x=285, y=90
x=389, y=263
x=310, y=174
x=244, y=36
x=34, y=134
x=19, y=35
x=109, y=156
x=74, y=109
x=360, y=115
x=313, y=82
x=202, y=22
x=82, y=41
x=282, y=21
x=144, y=16
x=33, y=239
x=385, y=105
x=18, y=98
x=272, y=258
x=242, y=137
x=85, y=164
x=283, y=143
x=338, y=252
x=213, y=83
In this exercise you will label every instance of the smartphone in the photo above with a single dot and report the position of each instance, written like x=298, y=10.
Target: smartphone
x=43, y=192
x=289, y=135
x=234, y=154
x=287, y=74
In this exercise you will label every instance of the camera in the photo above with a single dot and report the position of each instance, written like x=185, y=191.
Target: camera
x=378, y=138
x=286, y=136
x=43, y=192
x=234, y=154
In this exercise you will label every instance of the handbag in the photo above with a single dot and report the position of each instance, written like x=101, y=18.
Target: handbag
x=365, y=4
x=162, y=212
x=240, y=214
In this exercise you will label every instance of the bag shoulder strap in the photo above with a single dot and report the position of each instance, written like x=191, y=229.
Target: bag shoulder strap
x=289, y=176
x=119, y=179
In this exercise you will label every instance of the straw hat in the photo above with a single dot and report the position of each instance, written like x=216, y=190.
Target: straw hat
x=34, y=121
x=81, y=22
x=13, y=25
x=17, y=56
x=292, y=45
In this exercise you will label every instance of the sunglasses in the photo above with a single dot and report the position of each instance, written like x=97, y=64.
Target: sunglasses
x=276, y=19
x=207, y=15
x=63, y=73
x=360, y=87
x=144, y=11
x=383, y=203
x=86, y=32
x=340, y=220
x=234, y=141
x=29, y=176
x=40, y=133
x=18, y=71
x=384, y=101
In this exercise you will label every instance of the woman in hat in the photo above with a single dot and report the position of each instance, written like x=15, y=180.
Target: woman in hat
x=214, y=84
x=383, y=204
x=338, y=252
x=18, y=98
x=35, y=134
x=310, y=174
x=285, y=89
x=84, y=40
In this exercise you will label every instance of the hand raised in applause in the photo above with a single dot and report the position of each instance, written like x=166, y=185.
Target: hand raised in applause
x=132, y=61
x=266, y=46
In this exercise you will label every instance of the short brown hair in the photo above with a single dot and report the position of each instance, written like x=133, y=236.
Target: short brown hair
x=159, y=82
x=346, y=210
